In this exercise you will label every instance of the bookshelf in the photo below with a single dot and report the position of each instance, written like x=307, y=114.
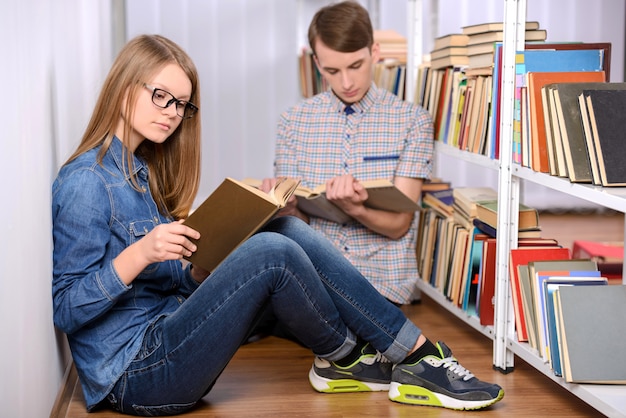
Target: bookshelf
x=607, y=399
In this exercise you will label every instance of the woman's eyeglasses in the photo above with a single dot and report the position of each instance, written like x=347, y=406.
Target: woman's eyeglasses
x=165, y=99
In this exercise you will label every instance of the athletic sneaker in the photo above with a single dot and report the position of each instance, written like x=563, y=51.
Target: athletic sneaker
x=441, y=381
x=371, y=372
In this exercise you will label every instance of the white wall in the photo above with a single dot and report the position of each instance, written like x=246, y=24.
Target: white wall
x=56, y=55
x=245, y=52
x=53, y=56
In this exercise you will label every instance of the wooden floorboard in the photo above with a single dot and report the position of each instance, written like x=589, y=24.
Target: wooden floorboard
x=268, y=378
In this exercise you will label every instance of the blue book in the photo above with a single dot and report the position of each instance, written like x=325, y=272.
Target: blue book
x=557, y=60
x=540, y=302
x=550, y=287
x=470, y=293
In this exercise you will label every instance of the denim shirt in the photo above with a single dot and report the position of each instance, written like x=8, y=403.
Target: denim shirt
x=96, y=213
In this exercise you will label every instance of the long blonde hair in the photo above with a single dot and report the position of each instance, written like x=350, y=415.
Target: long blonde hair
x=174, y=165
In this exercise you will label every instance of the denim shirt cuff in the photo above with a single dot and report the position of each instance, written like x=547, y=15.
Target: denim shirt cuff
x=111, y=282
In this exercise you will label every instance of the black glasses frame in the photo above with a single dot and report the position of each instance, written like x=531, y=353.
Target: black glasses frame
x=188, y=109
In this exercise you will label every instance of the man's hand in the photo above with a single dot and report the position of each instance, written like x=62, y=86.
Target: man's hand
x=347, y=193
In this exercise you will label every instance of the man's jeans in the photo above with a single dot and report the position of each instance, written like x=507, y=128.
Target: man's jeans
x=316, y=294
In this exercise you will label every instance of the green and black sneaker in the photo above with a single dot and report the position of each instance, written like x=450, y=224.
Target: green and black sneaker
x=441, y=381
x=371, y=372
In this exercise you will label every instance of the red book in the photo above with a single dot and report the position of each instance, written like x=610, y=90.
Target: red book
x=608, y=255
x=487, y=281
x=522, y=256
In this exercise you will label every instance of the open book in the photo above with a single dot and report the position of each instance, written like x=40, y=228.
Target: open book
x=231, y=214
x=382, y=194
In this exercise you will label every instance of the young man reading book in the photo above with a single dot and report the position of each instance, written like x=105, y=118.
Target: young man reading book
x=352, y=133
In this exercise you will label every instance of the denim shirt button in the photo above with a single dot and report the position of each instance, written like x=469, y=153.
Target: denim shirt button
x=143, y=188
x=156, y=220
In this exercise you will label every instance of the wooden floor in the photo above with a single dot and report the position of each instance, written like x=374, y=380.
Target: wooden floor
x=268, y=378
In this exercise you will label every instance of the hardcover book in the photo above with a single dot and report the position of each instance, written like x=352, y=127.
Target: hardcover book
x=450, y=40
x=578, y=153
x=550, y=286
x=609, y=256
x=493, y=27
x=589, y=319
x=230, y=215
x=528, y=218
x=466, y=198
x=442, y=201
x=605, y=109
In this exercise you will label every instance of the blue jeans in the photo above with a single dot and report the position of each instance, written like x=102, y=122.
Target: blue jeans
x=316, y=294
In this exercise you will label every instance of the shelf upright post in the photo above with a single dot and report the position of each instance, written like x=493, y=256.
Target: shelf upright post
x=414, y=45
x=508, y=186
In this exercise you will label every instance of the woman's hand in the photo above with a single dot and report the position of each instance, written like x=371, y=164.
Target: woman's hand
x=164, y=242
x=169, y=242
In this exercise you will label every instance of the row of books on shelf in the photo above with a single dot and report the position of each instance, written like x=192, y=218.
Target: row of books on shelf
x=456, y=254
x=456, y=245
x=573, y=135
x=564, y=318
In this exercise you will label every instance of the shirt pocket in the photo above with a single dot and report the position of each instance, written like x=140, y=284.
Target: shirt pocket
x=138, y=230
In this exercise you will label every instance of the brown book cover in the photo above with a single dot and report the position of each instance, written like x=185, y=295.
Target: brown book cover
x=535, y=81
x=230, y=215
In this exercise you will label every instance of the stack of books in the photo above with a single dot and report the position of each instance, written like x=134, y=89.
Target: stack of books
x=390, y=71
x=392, y=45
x=482, y=38
x=449, y=51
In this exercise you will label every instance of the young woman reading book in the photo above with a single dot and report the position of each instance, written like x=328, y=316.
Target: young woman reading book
x=150, y=335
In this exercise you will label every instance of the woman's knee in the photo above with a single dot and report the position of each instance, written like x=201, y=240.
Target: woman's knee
x=272, y=245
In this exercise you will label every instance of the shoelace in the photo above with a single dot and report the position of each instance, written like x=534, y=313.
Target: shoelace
x=452, y=364
x=380, y=358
